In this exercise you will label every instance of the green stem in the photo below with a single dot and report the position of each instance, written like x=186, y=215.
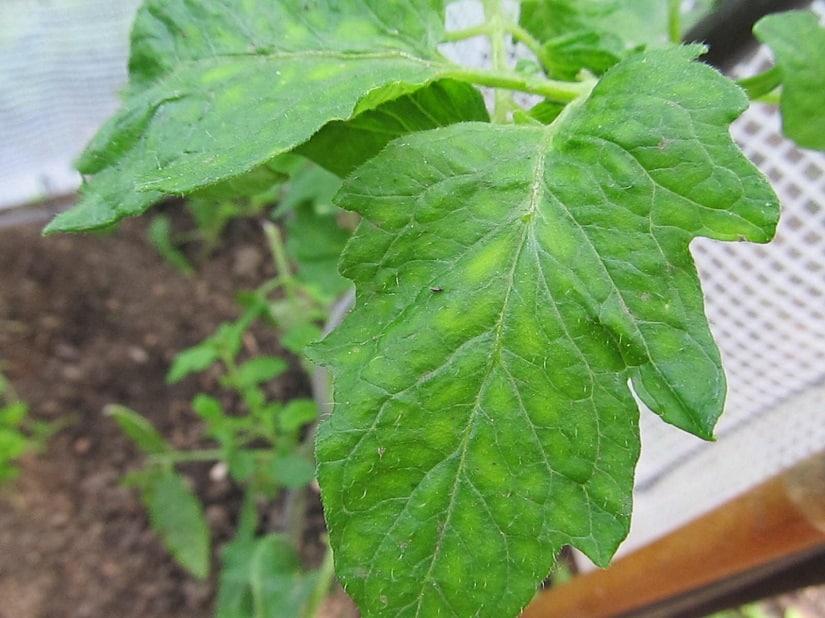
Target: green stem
x=467, y=33
x=522, y=36
x=772, y=98
x=176, y=457
x=278, y=250
x=674, y=21
x=294, y=515
x=501, y=77
x=489, y=30
x=494, y=14
x=762, y=84
x=559, y=91
x=326, y=573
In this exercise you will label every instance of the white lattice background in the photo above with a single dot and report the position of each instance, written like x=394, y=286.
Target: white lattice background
x=766, y=306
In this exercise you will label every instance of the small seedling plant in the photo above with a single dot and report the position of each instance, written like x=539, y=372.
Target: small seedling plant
x=519, y=272
x=19, y=433
x=263, y=446
x=259, y=447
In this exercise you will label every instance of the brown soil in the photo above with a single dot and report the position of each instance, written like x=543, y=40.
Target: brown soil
x=91, y=320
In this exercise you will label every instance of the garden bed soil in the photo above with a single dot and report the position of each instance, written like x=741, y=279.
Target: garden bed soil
x=96, y=319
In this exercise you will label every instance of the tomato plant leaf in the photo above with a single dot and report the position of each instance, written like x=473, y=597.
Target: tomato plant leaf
x=510, y=281
x=177, y=516
x=220, y=88
x=292, y=470
x=314, y=242
x=139, y=429
x=262, y=577
x=592, y=34
x=258, y=370
x=343, y=145
x=279, y=586
x=798, y=41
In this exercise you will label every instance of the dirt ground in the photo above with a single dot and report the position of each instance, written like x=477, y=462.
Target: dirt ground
x=91, y=320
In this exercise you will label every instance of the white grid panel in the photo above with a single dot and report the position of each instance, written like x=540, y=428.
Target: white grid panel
x=62, y=63
x=766, y=306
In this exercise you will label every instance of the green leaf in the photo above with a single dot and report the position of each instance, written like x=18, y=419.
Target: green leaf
x=545, y=112
x=192, y=360
x=138, y=428
x=13, y=414
x=234, y=599
x=262, y=577
x=242, y=463
x=13, y=444
x=160, y=235
x=219, y=424
x=226, y=341
x=177, y=516
x=258, y=370
x=483, y=417
x=299, y=336
x=315, y=242
x=593, y=34
x=219, y=88
x=343, y=145
x=259, y=180
x=635, y=22
x=798, y=41
x=297, y=413
x=565, y=56
x=208, y=408
x=292, y=470
x=279, y=586
x=311, y=184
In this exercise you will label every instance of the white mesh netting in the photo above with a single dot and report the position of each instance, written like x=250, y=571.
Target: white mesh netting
x=62, y=63
x=766, y=306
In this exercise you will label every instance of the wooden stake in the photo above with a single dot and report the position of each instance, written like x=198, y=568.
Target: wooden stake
x=781, y=518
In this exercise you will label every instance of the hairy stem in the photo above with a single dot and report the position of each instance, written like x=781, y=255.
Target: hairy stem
x=674, y=20
x=522, y=36
x=278, y=251
x=494, y=14
x=496, y=27
x=559, y=91
x=467, y=33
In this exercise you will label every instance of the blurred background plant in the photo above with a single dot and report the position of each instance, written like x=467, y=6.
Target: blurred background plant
x=265, y=446
x=19, y=434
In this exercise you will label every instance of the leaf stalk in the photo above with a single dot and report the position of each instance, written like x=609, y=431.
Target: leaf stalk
x=760, y=86
x=674, y=21
x=554, y=90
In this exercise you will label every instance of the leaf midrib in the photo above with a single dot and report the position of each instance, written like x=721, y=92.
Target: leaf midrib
x=495, y=356
x=185, y=65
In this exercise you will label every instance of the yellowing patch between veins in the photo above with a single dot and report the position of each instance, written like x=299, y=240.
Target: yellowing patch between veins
x=489, y=260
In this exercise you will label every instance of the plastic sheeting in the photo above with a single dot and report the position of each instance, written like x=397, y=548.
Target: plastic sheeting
x=62, y=64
